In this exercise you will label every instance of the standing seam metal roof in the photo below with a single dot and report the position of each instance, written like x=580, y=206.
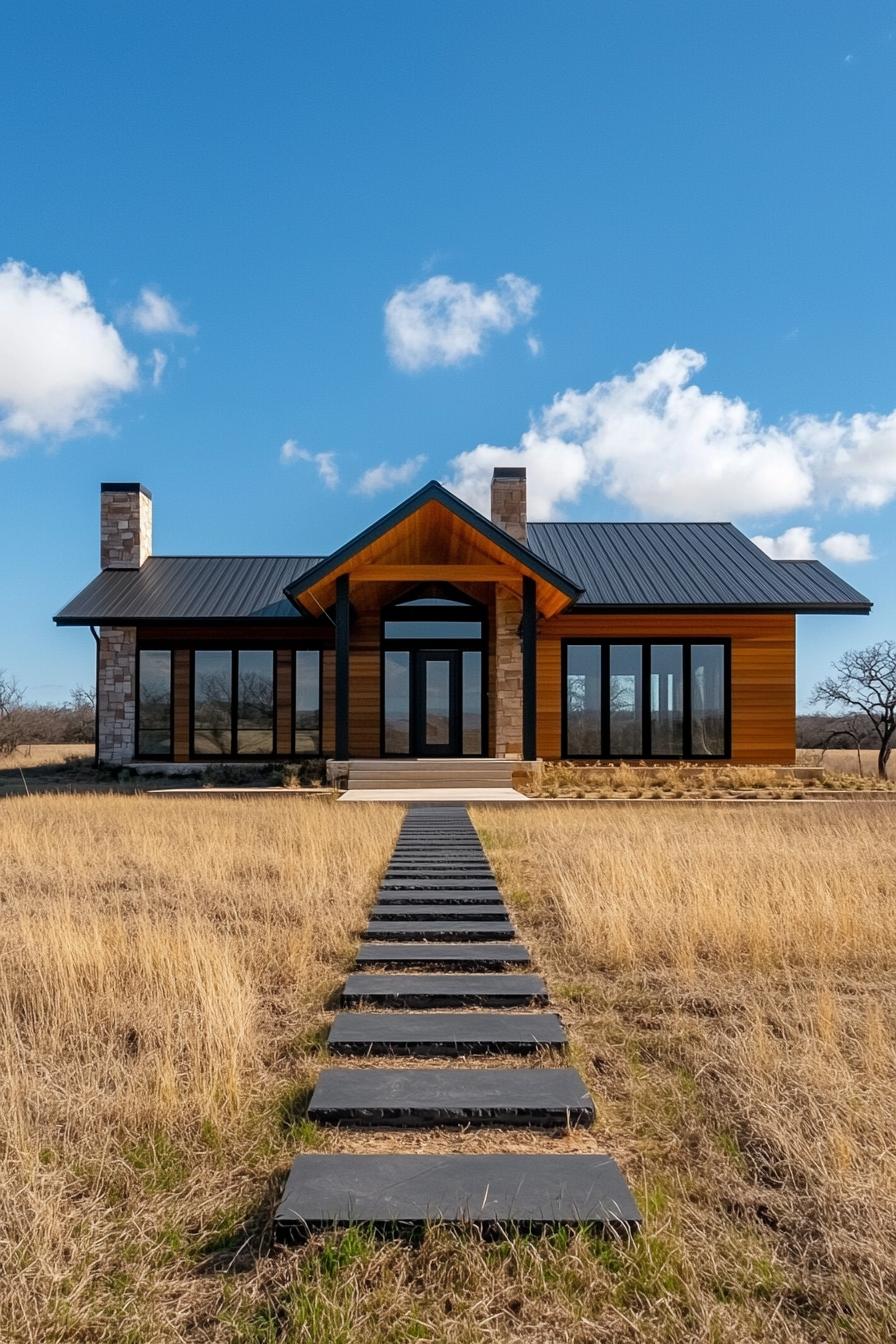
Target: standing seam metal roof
x=684, y=564
x=629, y=565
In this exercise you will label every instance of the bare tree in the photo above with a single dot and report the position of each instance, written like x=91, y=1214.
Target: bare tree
x=863, y=685
x=10, y=723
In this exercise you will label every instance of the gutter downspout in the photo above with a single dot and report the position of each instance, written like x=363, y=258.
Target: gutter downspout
x=96, y=702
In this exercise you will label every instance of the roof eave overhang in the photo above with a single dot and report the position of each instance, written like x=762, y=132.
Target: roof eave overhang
x=727, y=608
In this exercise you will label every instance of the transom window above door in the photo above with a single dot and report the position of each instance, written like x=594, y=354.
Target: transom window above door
x=434, y=614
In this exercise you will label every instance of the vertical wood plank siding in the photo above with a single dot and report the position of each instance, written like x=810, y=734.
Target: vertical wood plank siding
x=283, y=693
x=763, y=674
x=181, y=692
x=364, y=685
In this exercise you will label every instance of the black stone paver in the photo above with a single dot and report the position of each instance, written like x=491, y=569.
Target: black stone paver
x=451, y=1096
x=431, y=1034
x=447, y=990
x=472, y=955
x=494, y=910
x=390, y=1191
x=438, y=930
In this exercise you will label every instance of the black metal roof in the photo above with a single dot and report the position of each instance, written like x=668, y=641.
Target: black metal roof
x=645, y=565
x=190, y=587
x=630, y=566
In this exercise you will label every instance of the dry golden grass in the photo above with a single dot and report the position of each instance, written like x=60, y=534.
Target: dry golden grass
x=731, y=979
x=842, y=761
x=163, y=967
x=676, y=780
x=727, y=979
x=46, y=754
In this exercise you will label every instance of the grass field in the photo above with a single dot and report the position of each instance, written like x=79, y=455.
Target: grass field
x=727, y=978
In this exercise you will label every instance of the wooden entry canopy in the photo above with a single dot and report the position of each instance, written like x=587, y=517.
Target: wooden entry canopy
x=432, y=536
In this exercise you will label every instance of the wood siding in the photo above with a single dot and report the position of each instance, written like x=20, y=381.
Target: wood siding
x=364, y=685
x=181, y=694
x=763, y=674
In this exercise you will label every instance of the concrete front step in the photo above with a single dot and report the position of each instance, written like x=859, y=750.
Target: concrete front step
x=392, y=1191
x=451, y=990
x=428, y=1035
x=438, y=930
x=474, y=956
x=443, y=912
x=451, y=1096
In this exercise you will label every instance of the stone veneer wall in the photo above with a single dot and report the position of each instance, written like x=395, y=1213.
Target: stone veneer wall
x=116, y=694
x=125, y=528
x=508, y=701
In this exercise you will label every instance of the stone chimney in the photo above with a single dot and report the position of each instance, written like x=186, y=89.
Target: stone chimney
x=125, y=525
x=509, y=501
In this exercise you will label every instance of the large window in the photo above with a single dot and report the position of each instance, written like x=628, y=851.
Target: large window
x=583, y=725
x=255, y=702
x=213, y=702
x=308, y=703
x=707, y=700
x=154, y=702
x=397, y=702
x=233, y=702
x=645, y=699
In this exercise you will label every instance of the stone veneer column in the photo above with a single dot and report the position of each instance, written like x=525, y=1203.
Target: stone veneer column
x=508, y=700
x=116, y=694
x=125, y=542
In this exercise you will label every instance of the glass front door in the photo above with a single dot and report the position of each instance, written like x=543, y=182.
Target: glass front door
x=438, y=703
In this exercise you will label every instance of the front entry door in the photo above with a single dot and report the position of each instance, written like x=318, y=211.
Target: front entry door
x=437, y=709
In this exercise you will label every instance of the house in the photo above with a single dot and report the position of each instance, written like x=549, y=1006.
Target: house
x=439, y=632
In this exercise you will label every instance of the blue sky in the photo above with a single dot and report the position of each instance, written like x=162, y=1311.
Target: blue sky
x=390, y=235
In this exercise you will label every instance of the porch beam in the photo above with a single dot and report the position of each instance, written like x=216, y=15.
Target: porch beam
x=528, y=633
x=428, y=573
x=342, y=641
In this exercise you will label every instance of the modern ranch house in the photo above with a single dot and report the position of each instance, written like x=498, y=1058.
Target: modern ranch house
x=438, y=632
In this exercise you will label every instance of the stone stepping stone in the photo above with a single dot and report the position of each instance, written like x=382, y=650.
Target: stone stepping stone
x=431, y=1034
x=392, y=1191
x=472, y=955
x=494, y=910
x=437, y=930
x=432, y=883
x=441, y=898
x=451, y=1096
x=452, y=990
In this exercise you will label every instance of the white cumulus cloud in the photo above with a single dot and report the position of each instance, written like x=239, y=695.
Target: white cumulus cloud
x=656, y=441
x=156, y=313
x=444, y=321
x=848, y=548
x=61, y=362
x=798, y=543
x=389, y=474
x=325, y=463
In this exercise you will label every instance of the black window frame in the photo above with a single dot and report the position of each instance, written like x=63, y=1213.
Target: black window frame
x=397, y=611
x=154, y=755
x=319, y=650
x=234, y=652
x=645, y=642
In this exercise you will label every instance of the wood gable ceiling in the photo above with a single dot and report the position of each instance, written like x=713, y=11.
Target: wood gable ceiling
x=432, y=541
